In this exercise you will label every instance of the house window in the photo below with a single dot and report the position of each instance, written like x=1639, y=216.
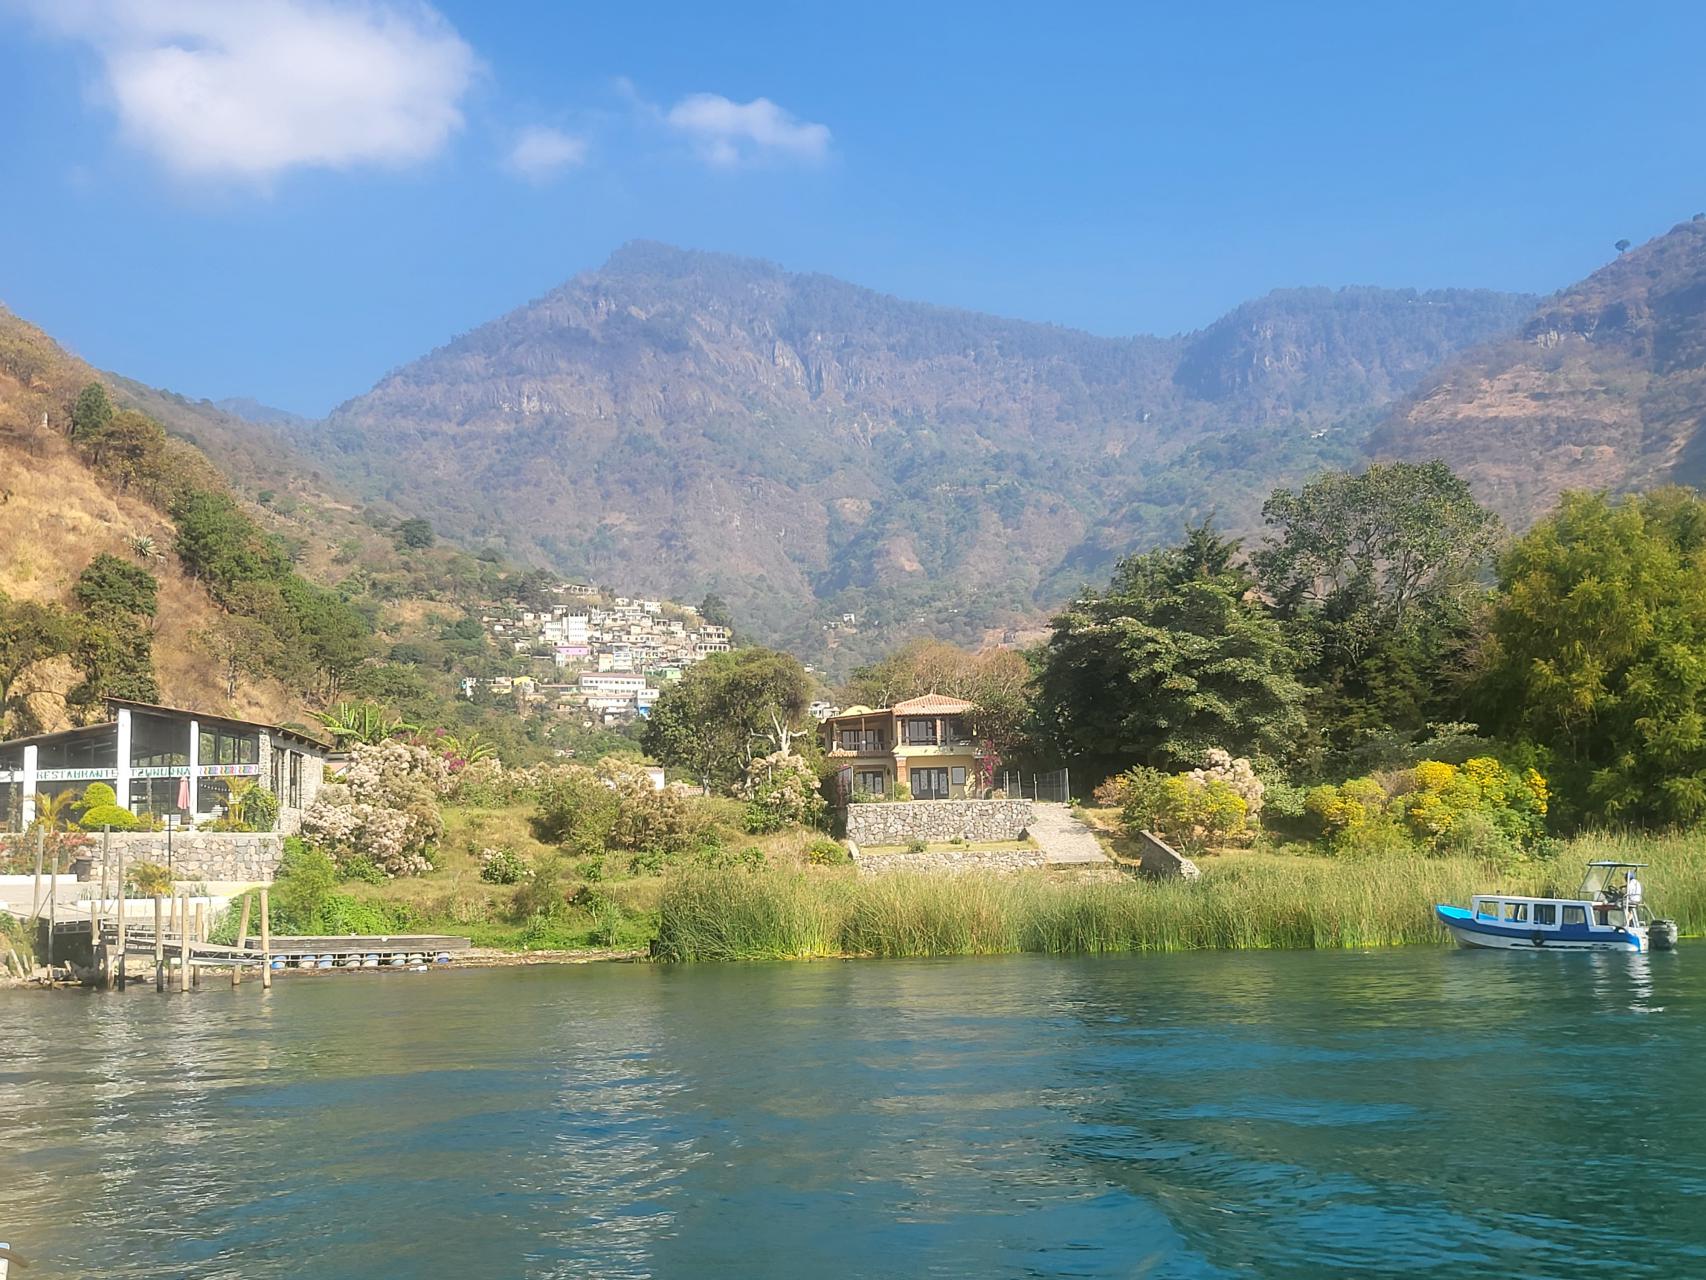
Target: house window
x=957, y=776
x=223, y=747
x=295, y=801
x=919, y=733
x=871, y=782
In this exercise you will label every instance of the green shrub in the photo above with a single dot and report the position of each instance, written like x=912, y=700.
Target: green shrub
x=824, y=852
x=916, y=846
x=647, y=862
x=540, y=895
x=149, y=880
x=761, y=820
x=97, y=795
x=501, y=866
x=361, y=868
x=108, y=815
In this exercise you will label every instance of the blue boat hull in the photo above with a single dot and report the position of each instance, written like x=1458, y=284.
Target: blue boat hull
x=1473, y=931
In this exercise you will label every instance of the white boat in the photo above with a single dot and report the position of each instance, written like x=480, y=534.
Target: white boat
x=1599, y=918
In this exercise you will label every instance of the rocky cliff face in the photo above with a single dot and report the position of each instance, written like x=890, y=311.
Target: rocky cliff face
x=679, y=421
x=1604, y=386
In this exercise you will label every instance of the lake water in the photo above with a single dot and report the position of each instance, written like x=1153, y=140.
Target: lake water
x=1403, y=1113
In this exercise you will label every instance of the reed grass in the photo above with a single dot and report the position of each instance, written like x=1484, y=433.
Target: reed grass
x=1256, y=901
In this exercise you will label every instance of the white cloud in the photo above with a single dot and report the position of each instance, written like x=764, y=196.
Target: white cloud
x=729, y=133
x=248, y=89
x=541, y=152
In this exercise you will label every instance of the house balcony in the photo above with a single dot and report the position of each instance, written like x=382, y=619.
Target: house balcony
x=950, y=747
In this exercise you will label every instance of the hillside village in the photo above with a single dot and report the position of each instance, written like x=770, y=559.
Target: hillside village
x=604, y=657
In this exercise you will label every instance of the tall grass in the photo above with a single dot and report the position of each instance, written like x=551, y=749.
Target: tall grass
x=1249, y=901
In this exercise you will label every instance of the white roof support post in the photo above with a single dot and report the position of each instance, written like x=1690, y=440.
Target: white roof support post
x=122, y=783
x=29, y=806
x=195, y=766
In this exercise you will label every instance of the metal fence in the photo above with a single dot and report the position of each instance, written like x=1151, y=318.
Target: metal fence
x=1050, y=786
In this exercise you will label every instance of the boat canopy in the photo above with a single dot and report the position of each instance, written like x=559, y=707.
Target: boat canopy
x=1602, y=875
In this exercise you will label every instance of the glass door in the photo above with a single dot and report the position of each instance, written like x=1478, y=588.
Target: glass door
x=929, y=784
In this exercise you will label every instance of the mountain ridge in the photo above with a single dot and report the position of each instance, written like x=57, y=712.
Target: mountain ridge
x=684, y=421
x=1603, y=387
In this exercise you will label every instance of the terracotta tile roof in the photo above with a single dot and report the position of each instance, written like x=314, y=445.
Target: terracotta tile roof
x=934, y=702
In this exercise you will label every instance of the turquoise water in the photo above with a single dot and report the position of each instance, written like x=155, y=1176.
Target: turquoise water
x=1401, y=1113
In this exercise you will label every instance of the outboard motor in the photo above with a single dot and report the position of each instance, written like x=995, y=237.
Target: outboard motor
x=1661, y=935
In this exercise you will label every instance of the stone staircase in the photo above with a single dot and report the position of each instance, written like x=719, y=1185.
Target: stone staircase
x=1064, y=840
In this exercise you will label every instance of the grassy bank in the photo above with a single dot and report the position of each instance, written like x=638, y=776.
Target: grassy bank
x=1243, y=901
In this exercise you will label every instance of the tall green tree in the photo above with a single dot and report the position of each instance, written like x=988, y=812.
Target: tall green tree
x=1377, y=577
x=727, y=710
x=1176, y=656
x=91, y=412
x=1598, y=654
x=30, y=634
x=114, y=635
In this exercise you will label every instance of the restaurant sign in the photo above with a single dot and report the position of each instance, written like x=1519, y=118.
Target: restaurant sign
x=228, y=771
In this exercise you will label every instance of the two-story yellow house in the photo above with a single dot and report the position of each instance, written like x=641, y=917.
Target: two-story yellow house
x=923, y=742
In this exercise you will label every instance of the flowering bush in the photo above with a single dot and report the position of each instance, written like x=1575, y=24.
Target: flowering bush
x=783, y=792
x=501, y=866
x=1479, y=807
x=1239, y=774
x=615, y=806
x=384, y=807
x=1195, y=809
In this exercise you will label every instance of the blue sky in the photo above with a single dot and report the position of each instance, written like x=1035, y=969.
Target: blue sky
x=287, y=198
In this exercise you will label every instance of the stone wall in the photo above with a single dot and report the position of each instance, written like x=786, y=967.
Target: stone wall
x=244, y=856
x=937, y=821
x=951, y=861
x=1158, y=858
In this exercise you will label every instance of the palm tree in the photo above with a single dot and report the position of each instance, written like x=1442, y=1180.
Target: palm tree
x=54, y=812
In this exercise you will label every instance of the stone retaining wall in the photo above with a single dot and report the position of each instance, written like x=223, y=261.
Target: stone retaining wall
x=937, y=821
x=951, y=861
x=1158, y=858
x=250, y=857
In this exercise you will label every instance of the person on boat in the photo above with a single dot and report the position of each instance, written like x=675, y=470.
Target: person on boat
x=1632, y=899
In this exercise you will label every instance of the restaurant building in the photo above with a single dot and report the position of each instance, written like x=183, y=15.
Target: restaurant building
x=163, y=762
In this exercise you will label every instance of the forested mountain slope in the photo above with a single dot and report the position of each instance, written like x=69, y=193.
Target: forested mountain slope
x=131, y=565
x=681, y=421
x=1603, y=386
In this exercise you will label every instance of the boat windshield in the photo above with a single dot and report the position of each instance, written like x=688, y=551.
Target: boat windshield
x=1604, y=881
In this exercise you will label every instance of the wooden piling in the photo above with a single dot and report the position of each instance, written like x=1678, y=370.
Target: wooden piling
x=266, y=944
x=159, y=948
x=123, y=975
x=35, y=902
x=195, y=974
x=184, y=949
x=242, y=938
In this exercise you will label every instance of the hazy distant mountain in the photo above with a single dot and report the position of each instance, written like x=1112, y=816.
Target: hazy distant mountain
x=680, y=421
x=252, y=410
x=1603, y=386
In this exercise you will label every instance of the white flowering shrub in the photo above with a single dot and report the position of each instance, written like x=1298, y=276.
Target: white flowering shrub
x=1239, y=774
x=782, y=791
x=383, y=807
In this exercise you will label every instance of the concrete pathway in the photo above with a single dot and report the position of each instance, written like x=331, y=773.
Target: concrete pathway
x=1065, y=841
